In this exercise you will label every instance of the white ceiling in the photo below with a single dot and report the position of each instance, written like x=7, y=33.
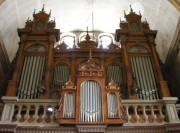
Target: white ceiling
x=76, y=15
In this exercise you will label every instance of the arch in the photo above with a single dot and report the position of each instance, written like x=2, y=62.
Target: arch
x=68, y=38
x=105, y=39
x=37, y=46
x=138, y=49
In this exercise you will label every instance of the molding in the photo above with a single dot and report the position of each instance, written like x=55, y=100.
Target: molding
x=166, y=128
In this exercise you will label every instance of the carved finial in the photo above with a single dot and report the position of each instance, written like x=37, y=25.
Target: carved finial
x=145, y=20
x=124, y=13
x=34, y=11
x=74, y=45
x=131, y=9
x=50, y=13
x=112, y=84
x=69, y=83
x=87, y=36
x=54, y=19
x=43, y=8
x=69, y=78
x=120, y=19
x=28, y=19
x=87, y=30
x=140, y=13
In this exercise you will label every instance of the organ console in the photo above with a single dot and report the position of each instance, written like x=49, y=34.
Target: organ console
x=89, y=80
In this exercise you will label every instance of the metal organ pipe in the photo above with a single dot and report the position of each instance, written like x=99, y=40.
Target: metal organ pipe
x=143, y=71
x=91, y=105
x=114, y=72
x=112, y=105
x=61, y=75
x=69, y=105
x=31, y=74
x=21, y=84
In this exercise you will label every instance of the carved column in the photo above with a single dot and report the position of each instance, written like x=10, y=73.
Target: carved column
x=73, y=68
x=48, y=66
x=127, y=66
x=12, y=86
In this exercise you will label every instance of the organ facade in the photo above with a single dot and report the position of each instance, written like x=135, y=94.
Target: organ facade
x=87, y=85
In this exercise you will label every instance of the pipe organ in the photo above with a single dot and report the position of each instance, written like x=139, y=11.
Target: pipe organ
x=88, y=80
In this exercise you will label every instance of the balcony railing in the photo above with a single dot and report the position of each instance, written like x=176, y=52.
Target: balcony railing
x=26, y=112
x=35, y=112
x=144, y=111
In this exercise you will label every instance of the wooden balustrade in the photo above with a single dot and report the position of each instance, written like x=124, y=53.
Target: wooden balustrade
x=40, y=112
x=144, y=111
x=35, y=112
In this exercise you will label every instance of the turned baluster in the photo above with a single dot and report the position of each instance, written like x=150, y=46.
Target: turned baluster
x=153, y=116
x=27, y=116
x=36, y=116
x=127, y=114
x=136, y=114
x=18, y=115
x=52, y=117
x=162, y=117
x=145, y=117
x=44, y=114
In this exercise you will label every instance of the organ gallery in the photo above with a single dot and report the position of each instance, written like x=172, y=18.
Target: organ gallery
x=91, y=83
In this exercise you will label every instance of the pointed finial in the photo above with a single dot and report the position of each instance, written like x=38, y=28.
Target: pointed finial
x=74, y=46
x=34, y=11
x=87, y=30
x=145, y=20
x=50, y=13
x=131, y=9
x=54, y=19
x=43, y=8
x=28, y=19
x=87, y=36
x=120, y=19
x=124, y=13
x=69, y=77
x=140, y=13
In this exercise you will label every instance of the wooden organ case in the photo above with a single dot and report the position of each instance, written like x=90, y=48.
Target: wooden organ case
x=89, y=80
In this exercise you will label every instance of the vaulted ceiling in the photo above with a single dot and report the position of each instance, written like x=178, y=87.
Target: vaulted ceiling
x=98, y=15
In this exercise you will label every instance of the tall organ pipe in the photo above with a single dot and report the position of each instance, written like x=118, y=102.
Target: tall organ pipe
x=91, y=105
x=142, y=69
x=31, y=76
